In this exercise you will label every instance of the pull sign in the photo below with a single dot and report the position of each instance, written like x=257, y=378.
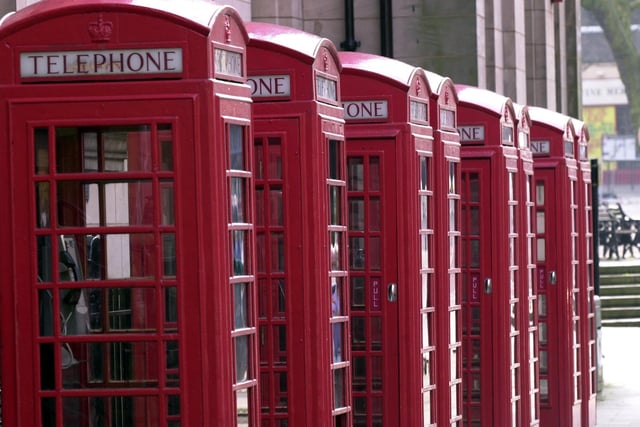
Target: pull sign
x=376, y=294
x=392, y=292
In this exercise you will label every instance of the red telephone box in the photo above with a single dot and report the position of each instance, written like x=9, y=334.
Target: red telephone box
x=128, y=266
x=390, y=181
x=447, y=198
x=529, y=315
x=301, y=227
x=492, y=295
x=558, y=277
x=587, y=283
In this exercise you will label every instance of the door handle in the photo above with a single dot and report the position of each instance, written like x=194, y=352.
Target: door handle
x=488, y=286
x=392, y=292
x=553, y=278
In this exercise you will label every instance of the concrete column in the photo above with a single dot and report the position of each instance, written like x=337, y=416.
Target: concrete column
x=514, y=50
x=541, y=71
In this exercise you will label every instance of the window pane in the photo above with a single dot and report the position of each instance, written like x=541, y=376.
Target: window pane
x=41, y=139
x=356, y=173
x=236, y=148
x=237, y=199
x=241, y=305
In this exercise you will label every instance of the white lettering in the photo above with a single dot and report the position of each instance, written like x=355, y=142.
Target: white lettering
x=100, y=63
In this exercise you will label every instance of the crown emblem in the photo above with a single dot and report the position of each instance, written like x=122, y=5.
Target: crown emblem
x=227, y=28
x=418, y=87
x=100, y=30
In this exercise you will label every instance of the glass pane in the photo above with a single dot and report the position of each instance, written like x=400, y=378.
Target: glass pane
x=374, y=214
x=171, y=306
x=356, y=253
x=358, y=333
x=474, y=187
x=540, y=193
x=335, y=250
x=42, y=205
x=424, y=212
x=334, y=160
x=337, y=305
x=242, y=358
x=335, y=205
x=359, y=376
x=375, y=249
x=453, y=189
x=169, y=255
x=541, y=249
x=376, y=333
x=357, y=292
x=374, y=174
x=424, y=250
x=166, y=147
x=45, y=272
x=238, y=243
x=427, y=366
x=110, y=365
x=277, y=252
x=47, y=373
x=242, y=406
x=540, y=222
x=275, y=158
x=121, y=410
x=276, y=215
x=241, y=305
x=236, y=148
x=337, y=336
x=41, y=141
x=237, y=199
x=172, y=357
x=338, y=388
x=356, y=213
x=355, y=167
x=167, y=213
x=424, y=174
x=376, y=373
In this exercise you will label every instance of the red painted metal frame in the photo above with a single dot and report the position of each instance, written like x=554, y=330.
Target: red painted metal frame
x=403, y=90
x=443, y=115
x=555, y=167
x=587, y=282
x=529, y=316
x=290, y=71
x=200, y=102
x=487, y=126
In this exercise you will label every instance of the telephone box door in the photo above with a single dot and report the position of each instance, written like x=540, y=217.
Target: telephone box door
x=373, y=274
x=554, y=290
x=277, y=205
x=477, y=300
x=102, y=265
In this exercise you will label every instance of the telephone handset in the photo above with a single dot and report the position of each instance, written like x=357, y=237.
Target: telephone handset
x=73, y=307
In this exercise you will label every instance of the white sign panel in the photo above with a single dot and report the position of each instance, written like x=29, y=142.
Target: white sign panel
x=603, y=92
x=362, y=110
x=100, y=63
x=268, y=86
x=622, y=147
x=471, y=133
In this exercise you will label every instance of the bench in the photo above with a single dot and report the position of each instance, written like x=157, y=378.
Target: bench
x=616, y=229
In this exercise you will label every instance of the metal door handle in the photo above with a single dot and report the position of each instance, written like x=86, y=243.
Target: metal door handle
x=553, y=278
x=488, y=286
x=392, y=292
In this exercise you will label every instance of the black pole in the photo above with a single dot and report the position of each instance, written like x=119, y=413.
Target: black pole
x=350, y=44
x=386, y=28
x=594, y=220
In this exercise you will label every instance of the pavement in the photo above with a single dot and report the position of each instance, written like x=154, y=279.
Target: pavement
x=618, y=404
